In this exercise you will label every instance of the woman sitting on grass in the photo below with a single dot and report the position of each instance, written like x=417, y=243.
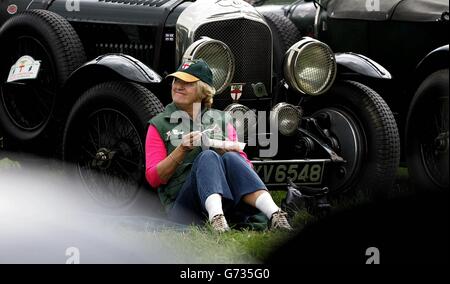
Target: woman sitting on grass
x=194, y=182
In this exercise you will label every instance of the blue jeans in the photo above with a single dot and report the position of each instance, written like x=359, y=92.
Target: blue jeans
x=228, y=175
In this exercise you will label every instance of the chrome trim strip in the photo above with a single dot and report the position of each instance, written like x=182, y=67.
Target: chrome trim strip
x=316, y=21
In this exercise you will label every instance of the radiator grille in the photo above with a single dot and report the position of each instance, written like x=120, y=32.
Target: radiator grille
x=251, y=44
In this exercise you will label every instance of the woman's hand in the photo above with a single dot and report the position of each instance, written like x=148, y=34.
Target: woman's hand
x=167, y=167
x=190, y=140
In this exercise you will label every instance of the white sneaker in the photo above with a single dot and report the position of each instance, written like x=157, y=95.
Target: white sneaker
x=219, y=223
x=279, y=221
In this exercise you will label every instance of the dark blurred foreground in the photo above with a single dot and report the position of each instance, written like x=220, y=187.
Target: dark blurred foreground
x=408, y=229
x=46, y=216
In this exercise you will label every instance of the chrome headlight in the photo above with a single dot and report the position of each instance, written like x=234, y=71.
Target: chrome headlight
x=288, y=118
x=310, y=67
x=245, y=120
x=219, y=58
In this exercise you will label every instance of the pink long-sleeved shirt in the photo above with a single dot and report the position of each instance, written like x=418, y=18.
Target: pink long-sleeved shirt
x=155, y=152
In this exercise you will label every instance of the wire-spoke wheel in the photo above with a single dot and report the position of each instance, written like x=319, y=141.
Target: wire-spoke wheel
x=104, y=138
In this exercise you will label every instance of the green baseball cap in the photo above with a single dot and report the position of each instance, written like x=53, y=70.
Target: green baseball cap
x=193, y=71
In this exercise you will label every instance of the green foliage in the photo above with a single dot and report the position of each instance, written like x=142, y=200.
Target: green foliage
x=6, y=163
x=200, y=244
x=203, y=245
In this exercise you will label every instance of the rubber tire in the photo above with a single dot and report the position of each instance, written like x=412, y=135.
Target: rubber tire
x=434, y=86
x=66, y=51
x=136, y=102
x=377, y=172
x=285, y=34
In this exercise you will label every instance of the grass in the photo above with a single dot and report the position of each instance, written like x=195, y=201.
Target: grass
x=6, y=163
x=202, y=245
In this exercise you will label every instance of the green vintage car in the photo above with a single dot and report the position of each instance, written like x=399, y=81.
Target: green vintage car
x=80, y=79
x=410, y=39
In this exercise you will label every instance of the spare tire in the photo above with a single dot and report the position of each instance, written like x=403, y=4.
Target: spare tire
x=105, y=139
x=29, y=108
x=285, y=34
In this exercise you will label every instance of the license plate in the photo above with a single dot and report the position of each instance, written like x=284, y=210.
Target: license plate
x=300, y=171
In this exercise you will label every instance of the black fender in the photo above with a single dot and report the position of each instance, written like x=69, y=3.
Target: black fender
x=109, y=67
x=433, y=61
x=350, y=64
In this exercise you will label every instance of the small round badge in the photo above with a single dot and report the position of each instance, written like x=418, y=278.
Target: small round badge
x=12, y=9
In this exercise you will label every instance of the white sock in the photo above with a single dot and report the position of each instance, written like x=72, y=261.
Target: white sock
x=213, y=205
x=265, y=203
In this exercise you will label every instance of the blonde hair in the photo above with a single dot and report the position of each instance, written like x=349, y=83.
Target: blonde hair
x=206, y=92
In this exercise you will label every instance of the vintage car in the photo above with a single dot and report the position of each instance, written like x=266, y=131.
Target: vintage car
x=81, y=78
x=410, y=39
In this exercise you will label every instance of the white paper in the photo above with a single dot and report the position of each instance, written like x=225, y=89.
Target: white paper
x=215, y=143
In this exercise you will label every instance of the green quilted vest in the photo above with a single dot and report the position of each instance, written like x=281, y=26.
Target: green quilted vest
x=171, y=132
